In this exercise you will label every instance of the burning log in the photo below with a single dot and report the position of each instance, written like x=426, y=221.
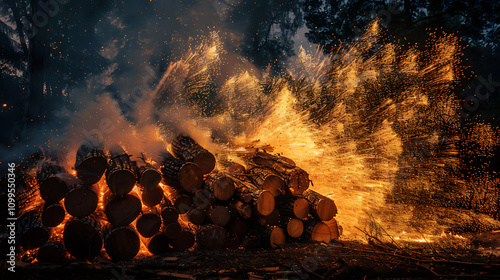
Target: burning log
x=219, y=215
x=183, y=203
x=169, y=213
x=202, y=199
x=31, y=232
x=243, y=209
x=158, y=244
x=53, y=214
x=221, y=186
x=53, y=182
x=269, y=180
x=321, y=206
x=211, y=237
x=122, y=210
x=183, y=241
x=236, y=169
x=120, y=175
x=51, y=252
x=121, y=243
x=298, y=181
x=149, y=223
x=181, y=174
x=81, y=200
x=83, y=238
x=317, y=231
x=148, y=176
x=172, y=230
x=184, y=147
x=275, y=162
x=152, y=197
x=91, y=163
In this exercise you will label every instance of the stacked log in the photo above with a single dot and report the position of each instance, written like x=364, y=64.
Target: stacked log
x=267, y=203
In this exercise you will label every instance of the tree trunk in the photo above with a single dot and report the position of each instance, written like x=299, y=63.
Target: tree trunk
x=269, y=180
x=292, y=206
x=185, y=148
x=83, y=238
x=121, y=243
x=262, y=200
x=91, y=163
x=81, y=200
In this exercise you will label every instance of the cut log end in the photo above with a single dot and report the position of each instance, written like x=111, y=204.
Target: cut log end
x=51, y=252
x=159, y=244
x=81, y=201
x=219, y=215
x=122, y=210
x=274, y=184
x=326, y=209
x=122, y=244
x=152, y=197
x=53, y=189
x=150, y=179
x=91, y=170
x=172, y=230
x=301, y=208
x=278, y=237
x=121, y=182
x=295, y=228
x=223, y=188
x=82, y=239
x=53, y=215
x=206, y=161
x=265, y=203
x=298, y=182
x=321, y=232
x=190, y=177
x=213, y=238
x=197, y=216
x=183, y=241
x=148, y=224
x=169, y=214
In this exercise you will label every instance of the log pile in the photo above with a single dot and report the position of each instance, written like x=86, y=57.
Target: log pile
x=181, y=203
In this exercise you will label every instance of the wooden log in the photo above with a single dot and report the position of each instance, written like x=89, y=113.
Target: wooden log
x=181, y=174
x=219, y=215
x=277, y=237
x=52, y=252
x=202, y=199
x=148, y=175
x=221, y=186
x=148, y=223
x=81, y=200
x=267, y=179
x=172, y=230
x=262, y=200
x=184, y=147
x=290, y=205
x=271, y=236
x=294, y=226
x=121, y=243
x=83, y=238
x=321, y=206
x=122, y=210
x=317, y=231
x=169, y=213
x=184, y=241
x=244, y=210
x=335, y=231
x=196, y=216
x=30, y=231
x=275, y=162
x=158, y=244
x=121, y=173
x=297, y=181
x=211, y=237
x=53, y=182
x=236, y=169
x=182, y=202
x=152, y=197
x=53, y=214
x=91, y=163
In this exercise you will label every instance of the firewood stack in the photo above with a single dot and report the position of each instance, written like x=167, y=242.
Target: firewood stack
x=184, y=202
